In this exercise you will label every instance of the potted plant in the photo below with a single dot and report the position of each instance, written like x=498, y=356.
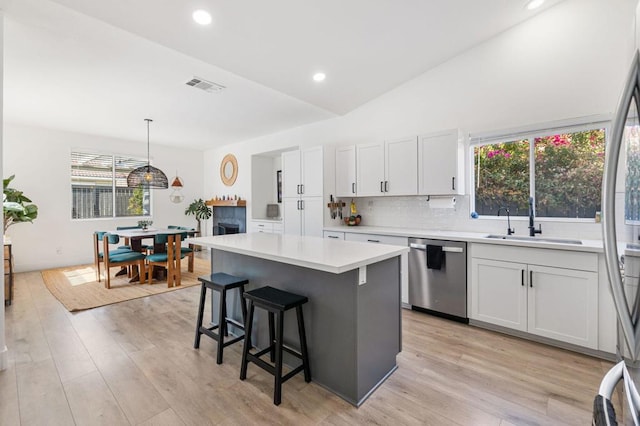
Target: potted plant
x=200, y=210
x=17, y=207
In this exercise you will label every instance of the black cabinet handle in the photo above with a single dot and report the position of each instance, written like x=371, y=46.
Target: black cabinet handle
x=333, y=236
x=301, y=204
x=374, y=241
x=531, y=279
x=353, y=187
x=522, y=278
x=453, y=183
x=381, y=186
x=302, y=188
x=386, y=186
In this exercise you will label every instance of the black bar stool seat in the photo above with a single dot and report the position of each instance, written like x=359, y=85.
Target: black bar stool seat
x=221, y=283
x=276, y=302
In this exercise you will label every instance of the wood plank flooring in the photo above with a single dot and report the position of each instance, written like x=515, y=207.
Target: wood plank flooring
x=133, y=363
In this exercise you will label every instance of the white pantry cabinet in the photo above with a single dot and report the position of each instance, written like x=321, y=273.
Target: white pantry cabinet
x=302, y=177
x=441, y=163
x=549, y=293
x=389, y=168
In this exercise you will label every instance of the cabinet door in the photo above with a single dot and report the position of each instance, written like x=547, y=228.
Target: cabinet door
x=401, y=166
x=312, y=216
x=312, y=169
x=291, y=174
x=441, y=163
x=499, y=293
x=292, y=218
x=370, y=170
x=346, y=171
x=563, y=305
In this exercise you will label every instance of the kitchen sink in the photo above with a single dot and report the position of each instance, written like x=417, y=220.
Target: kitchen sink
x=534, y=239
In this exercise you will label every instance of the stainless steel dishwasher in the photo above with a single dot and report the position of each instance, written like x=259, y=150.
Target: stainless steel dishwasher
x=438, y=277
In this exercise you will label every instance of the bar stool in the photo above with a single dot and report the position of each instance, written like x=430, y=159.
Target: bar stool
x=220, y=282
x=276, y=302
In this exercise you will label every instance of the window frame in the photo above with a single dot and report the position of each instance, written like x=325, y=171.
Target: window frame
x=113, y=156
x=531, y=133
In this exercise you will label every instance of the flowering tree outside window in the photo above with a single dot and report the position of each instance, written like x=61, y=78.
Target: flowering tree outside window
x=565, y=170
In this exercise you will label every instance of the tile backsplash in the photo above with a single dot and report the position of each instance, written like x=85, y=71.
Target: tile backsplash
x=441, y=214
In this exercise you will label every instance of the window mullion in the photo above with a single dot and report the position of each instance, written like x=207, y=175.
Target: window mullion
x=532, y=169
x=113, y=185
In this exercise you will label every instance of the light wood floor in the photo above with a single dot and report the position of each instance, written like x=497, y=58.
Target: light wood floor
x=133, y=364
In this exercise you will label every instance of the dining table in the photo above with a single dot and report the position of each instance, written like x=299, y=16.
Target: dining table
x=135, y=237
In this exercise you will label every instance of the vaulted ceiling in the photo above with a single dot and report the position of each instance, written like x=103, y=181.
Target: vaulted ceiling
x=101, y=67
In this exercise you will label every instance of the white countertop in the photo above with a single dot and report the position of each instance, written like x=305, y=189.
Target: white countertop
x=323, y=254
x=593, y=246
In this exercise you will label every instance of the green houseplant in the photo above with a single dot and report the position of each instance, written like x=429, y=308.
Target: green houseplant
x=200, y=210
x=17, y=207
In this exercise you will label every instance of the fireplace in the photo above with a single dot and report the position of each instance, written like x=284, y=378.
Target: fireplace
x=226, y=228
x=229, y=220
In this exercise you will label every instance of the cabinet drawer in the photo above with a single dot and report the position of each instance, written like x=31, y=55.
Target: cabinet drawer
x=375, y=238
x=537, y=256
x=334, y=235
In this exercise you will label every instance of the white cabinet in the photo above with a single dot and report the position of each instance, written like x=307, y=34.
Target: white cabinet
x=346, y=171
x=394, y=241
x=370, y=170
x=549, y=293
x=334, y=235
x=441, y=163
x=499, y=293
x=302, y=177
x=265, y=226
x=389, y=168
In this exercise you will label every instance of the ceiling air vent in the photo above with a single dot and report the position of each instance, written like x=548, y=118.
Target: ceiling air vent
x=202, y=84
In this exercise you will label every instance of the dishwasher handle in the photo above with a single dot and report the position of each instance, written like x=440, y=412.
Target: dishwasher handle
x=444, y=248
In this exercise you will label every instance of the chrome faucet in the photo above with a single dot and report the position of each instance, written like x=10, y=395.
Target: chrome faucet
x=532, y=229
x=509, y=230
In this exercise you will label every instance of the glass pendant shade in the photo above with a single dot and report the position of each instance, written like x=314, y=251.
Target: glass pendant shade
x=147, y=176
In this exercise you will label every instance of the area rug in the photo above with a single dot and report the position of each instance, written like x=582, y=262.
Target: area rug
x=77, y=289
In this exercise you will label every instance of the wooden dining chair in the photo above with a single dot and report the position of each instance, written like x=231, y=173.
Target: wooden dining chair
x=170, y=259
x=186, y=251
x=98, y=255
x=120, y=258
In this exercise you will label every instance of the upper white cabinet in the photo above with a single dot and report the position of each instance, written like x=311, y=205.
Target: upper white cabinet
x=346, y=171
x=441, y=163
x=370, y=169
x=389, y=168
x=302, y=177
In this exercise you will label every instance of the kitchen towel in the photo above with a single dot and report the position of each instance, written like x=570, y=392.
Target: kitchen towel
x=435, y=257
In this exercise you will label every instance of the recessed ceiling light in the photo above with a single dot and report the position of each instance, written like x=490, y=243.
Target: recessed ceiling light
x=534, y=4
x=202, y=17
x=319, y=76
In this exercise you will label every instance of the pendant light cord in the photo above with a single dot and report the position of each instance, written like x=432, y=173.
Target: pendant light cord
x=148, y=120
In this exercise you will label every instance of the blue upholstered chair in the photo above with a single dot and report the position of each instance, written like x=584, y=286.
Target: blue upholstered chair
x=98, y=255
x=170, y=259
x=120, y=258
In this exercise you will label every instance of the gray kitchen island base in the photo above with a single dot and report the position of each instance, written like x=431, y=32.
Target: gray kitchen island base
x=353, y=331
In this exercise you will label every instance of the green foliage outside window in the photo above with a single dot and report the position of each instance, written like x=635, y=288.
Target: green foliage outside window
x=568, y=171
x=135, y=202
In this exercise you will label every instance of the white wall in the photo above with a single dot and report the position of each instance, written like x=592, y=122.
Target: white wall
x=40, y=159
x=567, y=62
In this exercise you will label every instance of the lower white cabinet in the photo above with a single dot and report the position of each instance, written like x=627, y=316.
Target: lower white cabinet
x=265, y=226
x=549, y=300
x=303, y=216
x=394, y=241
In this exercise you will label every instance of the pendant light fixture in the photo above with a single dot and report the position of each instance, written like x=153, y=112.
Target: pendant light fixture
x=147, y=176
x=176, y=195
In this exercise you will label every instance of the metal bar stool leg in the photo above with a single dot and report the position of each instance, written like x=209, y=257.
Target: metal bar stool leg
x=303, y=345
x=277, y=393
x=272, y=352
x=247, y=342
x=203, y=293
x=221, y=325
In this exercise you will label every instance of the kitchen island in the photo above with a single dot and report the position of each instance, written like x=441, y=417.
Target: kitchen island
x=352, y=319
